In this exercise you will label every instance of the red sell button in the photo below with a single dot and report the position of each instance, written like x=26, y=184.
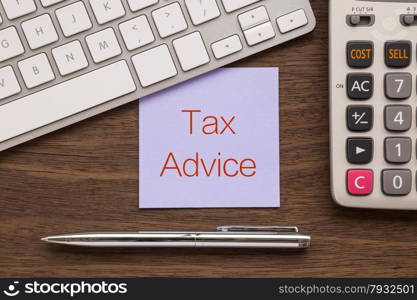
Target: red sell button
x=360, y=182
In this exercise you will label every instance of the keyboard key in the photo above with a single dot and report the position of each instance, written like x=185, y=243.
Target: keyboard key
x=227, y=46
x=398, y=150
x=18, y=8
x=47, y=3
x=360, y=54
x=8, y=83
x=154, y=65
x=360, y=86
x=396, y=182
x=360, y=117
x=40, y=31
x=292, y=21
x=398, y=54
x=103, y=45
x=253, y=18
x=70, y=58
x=10, y=44
x=136, y=5
x=191, y=51
x=202, y=11
x=107, y=10
x=360, y=182
x=360, y=150
x=232, y=5
x=136, y=33
x=65, y=99
x=169, y=20
x=36, y=70
x=398, y=86
x=73, y=19
x=398, y=117
x=259, y=34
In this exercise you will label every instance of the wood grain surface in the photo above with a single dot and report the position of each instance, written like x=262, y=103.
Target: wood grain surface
x=85, y=177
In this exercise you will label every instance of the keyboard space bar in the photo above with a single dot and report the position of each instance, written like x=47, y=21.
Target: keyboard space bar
x=65, y=99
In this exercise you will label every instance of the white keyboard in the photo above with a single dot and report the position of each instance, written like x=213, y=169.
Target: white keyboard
x=62, y=61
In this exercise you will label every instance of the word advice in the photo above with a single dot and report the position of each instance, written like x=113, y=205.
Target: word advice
x=217, y=166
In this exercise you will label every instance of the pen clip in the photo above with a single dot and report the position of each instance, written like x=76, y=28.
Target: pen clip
x=288, y=229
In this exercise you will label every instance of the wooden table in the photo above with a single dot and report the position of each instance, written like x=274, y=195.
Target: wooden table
x=86, y=177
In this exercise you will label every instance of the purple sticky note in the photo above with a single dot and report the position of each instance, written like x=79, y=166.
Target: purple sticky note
x=212, y=142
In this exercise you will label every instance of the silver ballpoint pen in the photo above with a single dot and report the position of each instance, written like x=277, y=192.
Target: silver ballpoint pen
x=224, y=237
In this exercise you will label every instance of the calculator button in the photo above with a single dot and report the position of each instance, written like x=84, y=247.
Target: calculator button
x=360, y=117
x=360, y=86
x=360, y=150
x=360, y=182
x=398, y=54
x=396, y=182
x=398, y=150
x=398, y=117
x=360, y=54
x=398, y=86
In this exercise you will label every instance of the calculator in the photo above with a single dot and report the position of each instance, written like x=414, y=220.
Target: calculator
x=373, y=101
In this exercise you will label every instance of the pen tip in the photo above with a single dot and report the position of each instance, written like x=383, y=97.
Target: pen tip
x=55, y=239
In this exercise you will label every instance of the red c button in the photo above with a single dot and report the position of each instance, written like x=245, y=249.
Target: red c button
x=360, y=182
